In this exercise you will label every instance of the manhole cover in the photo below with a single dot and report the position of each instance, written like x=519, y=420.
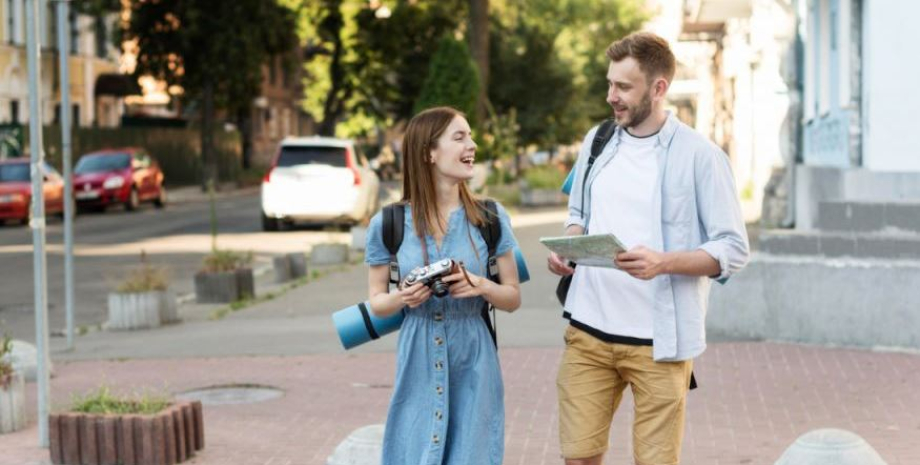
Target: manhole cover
x=231, y=395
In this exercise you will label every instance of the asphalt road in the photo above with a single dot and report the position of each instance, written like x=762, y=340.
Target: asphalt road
x=109, y=244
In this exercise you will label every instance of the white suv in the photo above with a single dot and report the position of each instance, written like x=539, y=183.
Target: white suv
x=318, y=180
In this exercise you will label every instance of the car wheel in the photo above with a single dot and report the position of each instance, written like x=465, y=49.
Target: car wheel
x=269, y=224
x=133, y=200
x=160, y=201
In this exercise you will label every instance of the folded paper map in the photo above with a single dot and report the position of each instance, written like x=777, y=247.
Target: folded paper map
x=590, y=250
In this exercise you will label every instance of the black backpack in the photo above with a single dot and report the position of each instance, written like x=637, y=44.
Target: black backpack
x=601, y=137
x=394, y=216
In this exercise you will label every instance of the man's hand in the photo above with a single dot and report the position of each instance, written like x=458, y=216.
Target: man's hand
x=558, y=265
x=642, y=263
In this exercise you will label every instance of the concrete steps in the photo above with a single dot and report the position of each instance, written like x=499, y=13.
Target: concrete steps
x=858, y=229
x=865, y=216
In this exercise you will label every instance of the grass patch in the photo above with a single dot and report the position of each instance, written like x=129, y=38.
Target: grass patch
x=544, y=177
x=102, y=401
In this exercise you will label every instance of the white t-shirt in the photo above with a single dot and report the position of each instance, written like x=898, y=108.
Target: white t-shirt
x=623, y=196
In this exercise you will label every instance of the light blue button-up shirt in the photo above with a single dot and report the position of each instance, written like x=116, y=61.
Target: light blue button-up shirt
x=699, y=209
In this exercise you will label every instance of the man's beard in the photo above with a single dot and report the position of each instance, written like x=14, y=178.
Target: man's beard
x=639, y=114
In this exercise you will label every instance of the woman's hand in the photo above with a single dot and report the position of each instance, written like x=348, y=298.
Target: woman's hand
x=464, y=284
x=414, y=295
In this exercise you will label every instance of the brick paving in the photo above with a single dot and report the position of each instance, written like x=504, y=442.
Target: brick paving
x=754, y=400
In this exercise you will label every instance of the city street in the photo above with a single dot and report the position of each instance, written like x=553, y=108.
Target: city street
x=109, y=243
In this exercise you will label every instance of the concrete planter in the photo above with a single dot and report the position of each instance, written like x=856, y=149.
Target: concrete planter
x=224, y=287
x=362, y=447
x=141, y=310
x=542, y=197
x=12, y=403
x=165, y=438
x=329, y=254
x=290, y=266
x=358, y=237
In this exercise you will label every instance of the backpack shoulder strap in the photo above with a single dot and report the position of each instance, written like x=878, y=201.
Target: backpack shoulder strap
x=492, y=234
x=601, y=137
x=394, y=217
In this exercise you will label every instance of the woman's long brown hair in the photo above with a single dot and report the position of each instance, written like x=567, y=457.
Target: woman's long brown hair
x=419, y=192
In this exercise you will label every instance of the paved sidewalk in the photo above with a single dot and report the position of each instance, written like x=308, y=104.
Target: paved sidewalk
x=754, y=400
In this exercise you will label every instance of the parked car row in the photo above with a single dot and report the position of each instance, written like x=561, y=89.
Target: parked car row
x=124, y=177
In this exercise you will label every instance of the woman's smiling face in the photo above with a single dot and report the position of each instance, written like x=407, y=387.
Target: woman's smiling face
x=453, y=158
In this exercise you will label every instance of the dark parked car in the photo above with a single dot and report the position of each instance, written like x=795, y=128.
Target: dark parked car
x=16, y=190
x=126, y=177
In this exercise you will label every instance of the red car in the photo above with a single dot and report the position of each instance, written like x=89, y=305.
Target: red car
x=119, y=176
x=16, y=190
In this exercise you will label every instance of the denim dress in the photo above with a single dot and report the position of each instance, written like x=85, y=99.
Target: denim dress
x=448, y=400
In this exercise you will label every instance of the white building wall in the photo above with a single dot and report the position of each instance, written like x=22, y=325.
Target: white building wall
x=891, y=74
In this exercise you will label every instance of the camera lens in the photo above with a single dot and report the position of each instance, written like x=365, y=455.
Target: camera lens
x=439, y=288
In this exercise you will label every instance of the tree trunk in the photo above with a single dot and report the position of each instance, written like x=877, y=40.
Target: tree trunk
x=479, y=48
x=208, y=161
x=244, y=122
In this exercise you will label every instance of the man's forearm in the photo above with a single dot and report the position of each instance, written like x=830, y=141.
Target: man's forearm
x=574, y=230
x=691, y=263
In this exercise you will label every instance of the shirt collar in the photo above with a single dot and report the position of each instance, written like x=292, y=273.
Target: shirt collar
x=665, y=134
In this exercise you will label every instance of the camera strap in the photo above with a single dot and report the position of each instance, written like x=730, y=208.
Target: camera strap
x=394, y=217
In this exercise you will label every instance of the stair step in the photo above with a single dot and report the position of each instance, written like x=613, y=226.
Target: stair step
x=897, y=246
x=867, y=216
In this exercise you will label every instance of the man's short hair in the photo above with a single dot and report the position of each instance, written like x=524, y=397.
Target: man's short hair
x=651, y=51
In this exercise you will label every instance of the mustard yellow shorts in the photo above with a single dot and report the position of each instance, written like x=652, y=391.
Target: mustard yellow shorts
x=591, y=380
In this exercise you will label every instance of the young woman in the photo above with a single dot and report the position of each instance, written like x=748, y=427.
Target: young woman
x=448, y=400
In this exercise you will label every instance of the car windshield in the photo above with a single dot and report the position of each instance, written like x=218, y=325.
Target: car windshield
x=102, y=163
x=312, y=155
x=15, y=172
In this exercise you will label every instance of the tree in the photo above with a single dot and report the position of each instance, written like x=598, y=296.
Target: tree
x=479, y=46
x=453, y=79
x=213, y=49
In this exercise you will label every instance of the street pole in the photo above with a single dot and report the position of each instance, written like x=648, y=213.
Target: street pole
x=37, y=223
x=63, y=33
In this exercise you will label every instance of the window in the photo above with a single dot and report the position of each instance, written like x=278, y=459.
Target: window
x=75, y=118
x=74, y=33
x=14, y=111
x=102, y=37
x=11, y=21
x=293, y=155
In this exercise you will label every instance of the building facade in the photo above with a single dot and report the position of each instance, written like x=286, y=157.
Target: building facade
x=93, y=62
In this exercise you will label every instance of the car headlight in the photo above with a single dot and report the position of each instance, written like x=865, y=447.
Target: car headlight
x=11, y=198
x=113, y=183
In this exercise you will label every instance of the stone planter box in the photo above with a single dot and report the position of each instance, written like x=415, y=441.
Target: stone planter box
x=224, y=287
x=290, y=266
x=141, y=310
x=329, y=254
x=358, y=237
x=12, y=403
x=542, y=197
x=168, y=437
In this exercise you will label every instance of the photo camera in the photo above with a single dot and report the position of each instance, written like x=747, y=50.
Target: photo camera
x=357, y=324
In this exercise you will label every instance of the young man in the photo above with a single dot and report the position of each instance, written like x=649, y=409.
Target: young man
x=668, y=194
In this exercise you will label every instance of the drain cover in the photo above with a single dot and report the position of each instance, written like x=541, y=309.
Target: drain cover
x=232, y=394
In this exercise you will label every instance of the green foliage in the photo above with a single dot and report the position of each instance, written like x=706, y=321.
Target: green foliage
x=452, y=79
x=211, y=43
x=145, y=278
x=6, y=369
x=544, y=177
x=498, y=139
x=103, y=402
x=219, y=261
x=565, y=87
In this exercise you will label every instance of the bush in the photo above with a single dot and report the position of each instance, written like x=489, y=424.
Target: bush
x=102, y=401
x=145, y=278
x=219, y=261
x=6, y=369
x=544, y=177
